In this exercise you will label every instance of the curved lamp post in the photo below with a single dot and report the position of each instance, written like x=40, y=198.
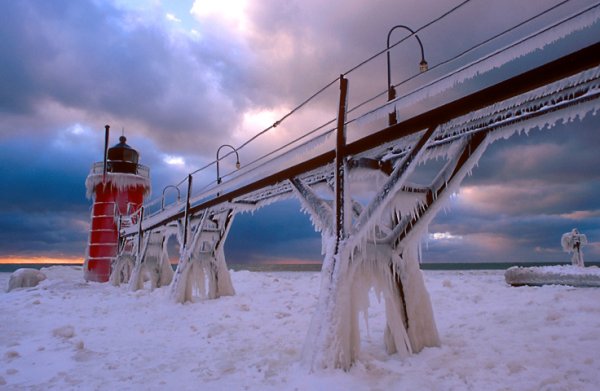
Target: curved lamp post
x=237, y=162
x=423, y=66
x=162, y=204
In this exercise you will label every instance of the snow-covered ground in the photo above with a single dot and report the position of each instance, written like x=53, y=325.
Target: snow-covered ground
x=68, y=334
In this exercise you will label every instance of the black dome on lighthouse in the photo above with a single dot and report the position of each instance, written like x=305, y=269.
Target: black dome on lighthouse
x=123, y=158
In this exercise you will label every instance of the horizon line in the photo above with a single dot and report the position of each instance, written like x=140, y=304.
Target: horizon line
x=40, y=260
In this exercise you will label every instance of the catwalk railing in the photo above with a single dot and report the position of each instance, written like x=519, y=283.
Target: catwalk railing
x=372, y=149
x=511, y=100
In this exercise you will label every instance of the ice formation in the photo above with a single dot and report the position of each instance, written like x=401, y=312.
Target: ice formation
x=553, y=275
x=121, y=181
x=571, y=242
x=135, y=267
x=122, y=269
x=334, y=336
x=25, y=278
x=381, y=250
x=378, y=246
x=153, y=264
x=202, y=268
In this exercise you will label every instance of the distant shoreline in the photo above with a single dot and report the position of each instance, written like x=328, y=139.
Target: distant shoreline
x=315, y=267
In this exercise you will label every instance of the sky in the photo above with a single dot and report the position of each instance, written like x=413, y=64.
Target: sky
x=181, y=78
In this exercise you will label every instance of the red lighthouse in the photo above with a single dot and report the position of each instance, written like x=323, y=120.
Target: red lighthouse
x=118, y=187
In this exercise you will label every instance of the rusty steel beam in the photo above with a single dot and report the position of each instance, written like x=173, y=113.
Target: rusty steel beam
x=340, y=164
x=558, y=69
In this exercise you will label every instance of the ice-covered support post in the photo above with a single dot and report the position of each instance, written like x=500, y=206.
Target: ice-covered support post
x=136, y=281
x=153, y=262
x=342, y=219
x=122, y=269
x=202, y=265
x=380, y=250
x=571, y=242
x=181, y=290
x=333, y=339
x=215, y=267
x=124, y=263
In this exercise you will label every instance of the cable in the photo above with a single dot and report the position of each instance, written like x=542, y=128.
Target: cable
x=288, y=114
x=407, y=37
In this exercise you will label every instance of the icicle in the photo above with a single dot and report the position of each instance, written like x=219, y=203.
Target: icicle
x=183, y=281
x=121, y=181
x=547, y=99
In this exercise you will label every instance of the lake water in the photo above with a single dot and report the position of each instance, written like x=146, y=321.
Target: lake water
x=262, y=267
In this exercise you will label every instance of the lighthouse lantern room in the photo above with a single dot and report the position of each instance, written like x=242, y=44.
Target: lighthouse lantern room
x=118, y=186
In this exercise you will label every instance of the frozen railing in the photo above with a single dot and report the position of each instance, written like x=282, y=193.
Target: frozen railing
x=98, y=168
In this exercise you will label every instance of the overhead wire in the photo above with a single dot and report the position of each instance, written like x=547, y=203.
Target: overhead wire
x=362, y=63
x=407, y=37
x=321, y=90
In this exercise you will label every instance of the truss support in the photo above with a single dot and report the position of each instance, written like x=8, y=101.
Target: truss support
x=186, y=216
x=449, y=178
x=202, y=267
x=122, y=268
x=154, y=262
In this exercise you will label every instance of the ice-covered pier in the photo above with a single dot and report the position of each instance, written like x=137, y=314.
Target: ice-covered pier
x=448, y=117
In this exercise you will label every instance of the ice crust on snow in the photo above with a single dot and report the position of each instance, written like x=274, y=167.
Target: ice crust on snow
x=526, y=338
